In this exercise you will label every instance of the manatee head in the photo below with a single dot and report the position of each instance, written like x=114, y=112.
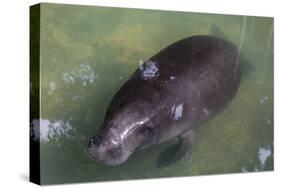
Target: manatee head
x=123, y=132
x=107, y=148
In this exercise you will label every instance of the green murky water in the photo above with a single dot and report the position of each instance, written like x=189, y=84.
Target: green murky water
x=87, y=53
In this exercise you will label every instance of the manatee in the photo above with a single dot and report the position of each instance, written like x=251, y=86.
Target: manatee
x=171, y=93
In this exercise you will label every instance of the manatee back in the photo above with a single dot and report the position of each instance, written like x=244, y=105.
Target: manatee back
x=202, y=73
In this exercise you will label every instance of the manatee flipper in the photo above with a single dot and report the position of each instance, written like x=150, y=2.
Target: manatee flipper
x=175, y=152
x=185, y=143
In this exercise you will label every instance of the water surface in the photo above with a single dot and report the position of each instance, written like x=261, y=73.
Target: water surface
x=87, y=53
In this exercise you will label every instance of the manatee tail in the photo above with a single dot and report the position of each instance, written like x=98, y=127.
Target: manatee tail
x=246, y=67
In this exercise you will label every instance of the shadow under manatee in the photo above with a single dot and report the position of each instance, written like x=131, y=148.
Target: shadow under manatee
x=171, y=155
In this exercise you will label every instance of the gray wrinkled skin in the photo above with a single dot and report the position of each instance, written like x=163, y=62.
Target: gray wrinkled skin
x=177, y=89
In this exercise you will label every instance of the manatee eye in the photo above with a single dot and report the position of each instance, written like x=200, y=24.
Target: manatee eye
x=146, y=132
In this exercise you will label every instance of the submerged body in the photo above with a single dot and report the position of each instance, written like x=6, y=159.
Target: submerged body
x=177, y=89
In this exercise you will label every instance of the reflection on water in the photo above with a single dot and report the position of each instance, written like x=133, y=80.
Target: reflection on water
x=84, y=74
x=52, y=86
x=264, y=153
x=87, y=53
x=44, y=130
x=263, y=99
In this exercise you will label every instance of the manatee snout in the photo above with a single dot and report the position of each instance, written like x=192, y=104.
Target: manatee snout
x=107, y=148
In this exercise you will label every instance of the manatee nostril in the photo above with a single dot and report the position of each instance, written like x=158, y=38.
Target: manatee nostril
x=95, y=141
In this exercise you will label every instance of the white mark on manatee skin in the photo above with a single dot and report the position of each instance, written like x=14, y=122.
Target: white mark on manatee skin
x=205, y=111
x=177, y=111
x=263, y=154
x=141, y=62
x=172, y=77
x=149, y=69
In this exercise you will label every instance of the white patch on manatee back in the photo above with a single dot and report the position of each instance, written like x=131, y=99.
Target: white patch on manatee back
x=177, y=111
x=149, y=69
